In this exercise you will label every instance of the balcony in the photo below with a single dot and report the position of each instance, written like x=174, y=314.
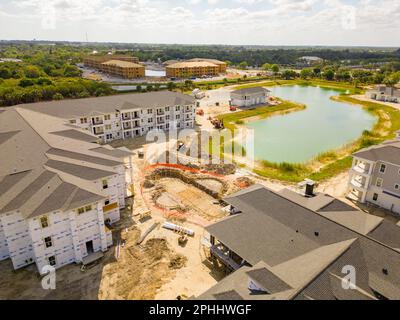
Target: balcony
x=97, y=122
x=362, y=168
x=160, y=112
x=127, y=126
x=358, y=182
x=126, y=117
x=98, y=131
x=223, y=255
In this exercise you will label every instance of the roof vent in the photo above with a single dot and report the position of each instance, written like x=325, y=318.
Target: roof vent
x=309, y=186
x=316, y=233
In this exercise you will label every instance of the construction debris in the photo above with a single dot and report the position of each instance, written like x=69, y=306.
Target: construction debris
x=148, y=231
x=174, y=227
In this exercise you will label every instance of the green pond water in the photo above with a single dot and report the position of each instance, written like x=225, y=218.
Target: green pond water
x=300, y=136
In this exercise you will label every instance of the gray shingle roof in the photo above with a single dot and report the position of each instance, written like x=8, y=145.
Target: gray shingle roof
x=253, y=90
x=104, y=105
x=77, y=135
x=83, y=172
x=317, y=273
x=268, y=280
x=386, y=153
x=83, y=157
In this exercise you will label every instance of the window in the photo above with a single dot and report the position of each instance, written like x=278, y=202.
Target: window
x=107, y=117
x=48, y=242
x=105, y=184
x=72, y=121
x=375, y=197
x=178, y=117
x=379, y=182
x=177, y=108
x=52, y=261
x=83, y=120
x=108, y=127
x=150, y=120
x=382, y=168
x=397, y=186
x=44, y=222
x=167, y=109
x=149, y=111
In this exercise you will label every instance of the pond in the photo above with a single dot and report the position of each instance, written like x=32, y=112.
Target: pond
x=300, y=136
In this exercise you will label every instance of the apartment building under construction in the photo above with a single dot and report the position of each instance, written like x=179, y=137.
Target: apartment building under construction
x=195, y=68
x=60, y=191
x=122, y=66
x=123, y=69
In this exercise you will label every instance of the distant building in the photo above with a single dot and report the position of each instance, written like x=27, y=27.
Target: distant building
x=375, y=176
x=10, y=60
x=288, y=246
x=124, y=69
x=249, y=97
x=308, y=61
x=121, y=65
x=384, y=93
x=222, y=66
x=195, y=68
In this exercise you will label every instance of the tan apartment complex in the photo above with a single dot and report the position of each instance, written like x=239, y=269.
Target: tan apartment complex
x=196, y=68
x=122, y=66
x=123, y=69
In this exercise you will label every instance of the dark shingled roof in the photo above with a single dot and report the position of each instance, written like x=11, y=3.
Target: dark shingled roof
x=76, y=135
x=373, y=255
x=228, y=296
x=254, y=90
x=273, y=229
x=4, y=136
x=83, y=157
x=268, y=280
x=386, y=153
x=83, y=172
x=68, y=109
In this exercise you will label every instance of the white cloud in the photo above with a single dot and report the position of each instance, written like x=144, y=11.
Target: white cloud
x=367, y=22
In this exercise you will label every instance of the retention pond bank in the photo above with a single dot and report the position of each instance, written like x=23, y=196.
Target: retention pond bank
x=300, y=136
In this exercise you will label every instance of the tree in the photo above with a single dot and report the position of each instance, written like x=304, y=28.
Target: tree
x=275, y=69
x=306, y=73
x=32, y=72
x=243, y=65
x=5, y=73
x=392, y=80
x=289, y=74
x=26, y=83
x=58, y=96
x=266, y=66
x=71, y=71
x=329, y=74
x=171, y=86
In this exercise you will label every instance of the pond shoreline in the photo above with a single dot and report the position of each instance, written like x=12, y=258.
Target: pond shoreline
x=335, y=161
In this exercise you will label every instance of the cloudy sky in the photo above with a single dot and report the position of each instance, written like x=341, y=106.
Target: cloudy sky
x=261, y=22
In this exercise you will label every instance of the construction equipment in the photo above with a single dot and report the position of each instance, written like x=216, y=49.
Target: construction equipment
x=217, y=123
x=200, y=112
x=232, y=108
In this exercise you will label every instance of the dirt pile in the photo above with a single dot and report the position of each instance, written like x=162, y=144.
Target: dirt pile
x=140, y=270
